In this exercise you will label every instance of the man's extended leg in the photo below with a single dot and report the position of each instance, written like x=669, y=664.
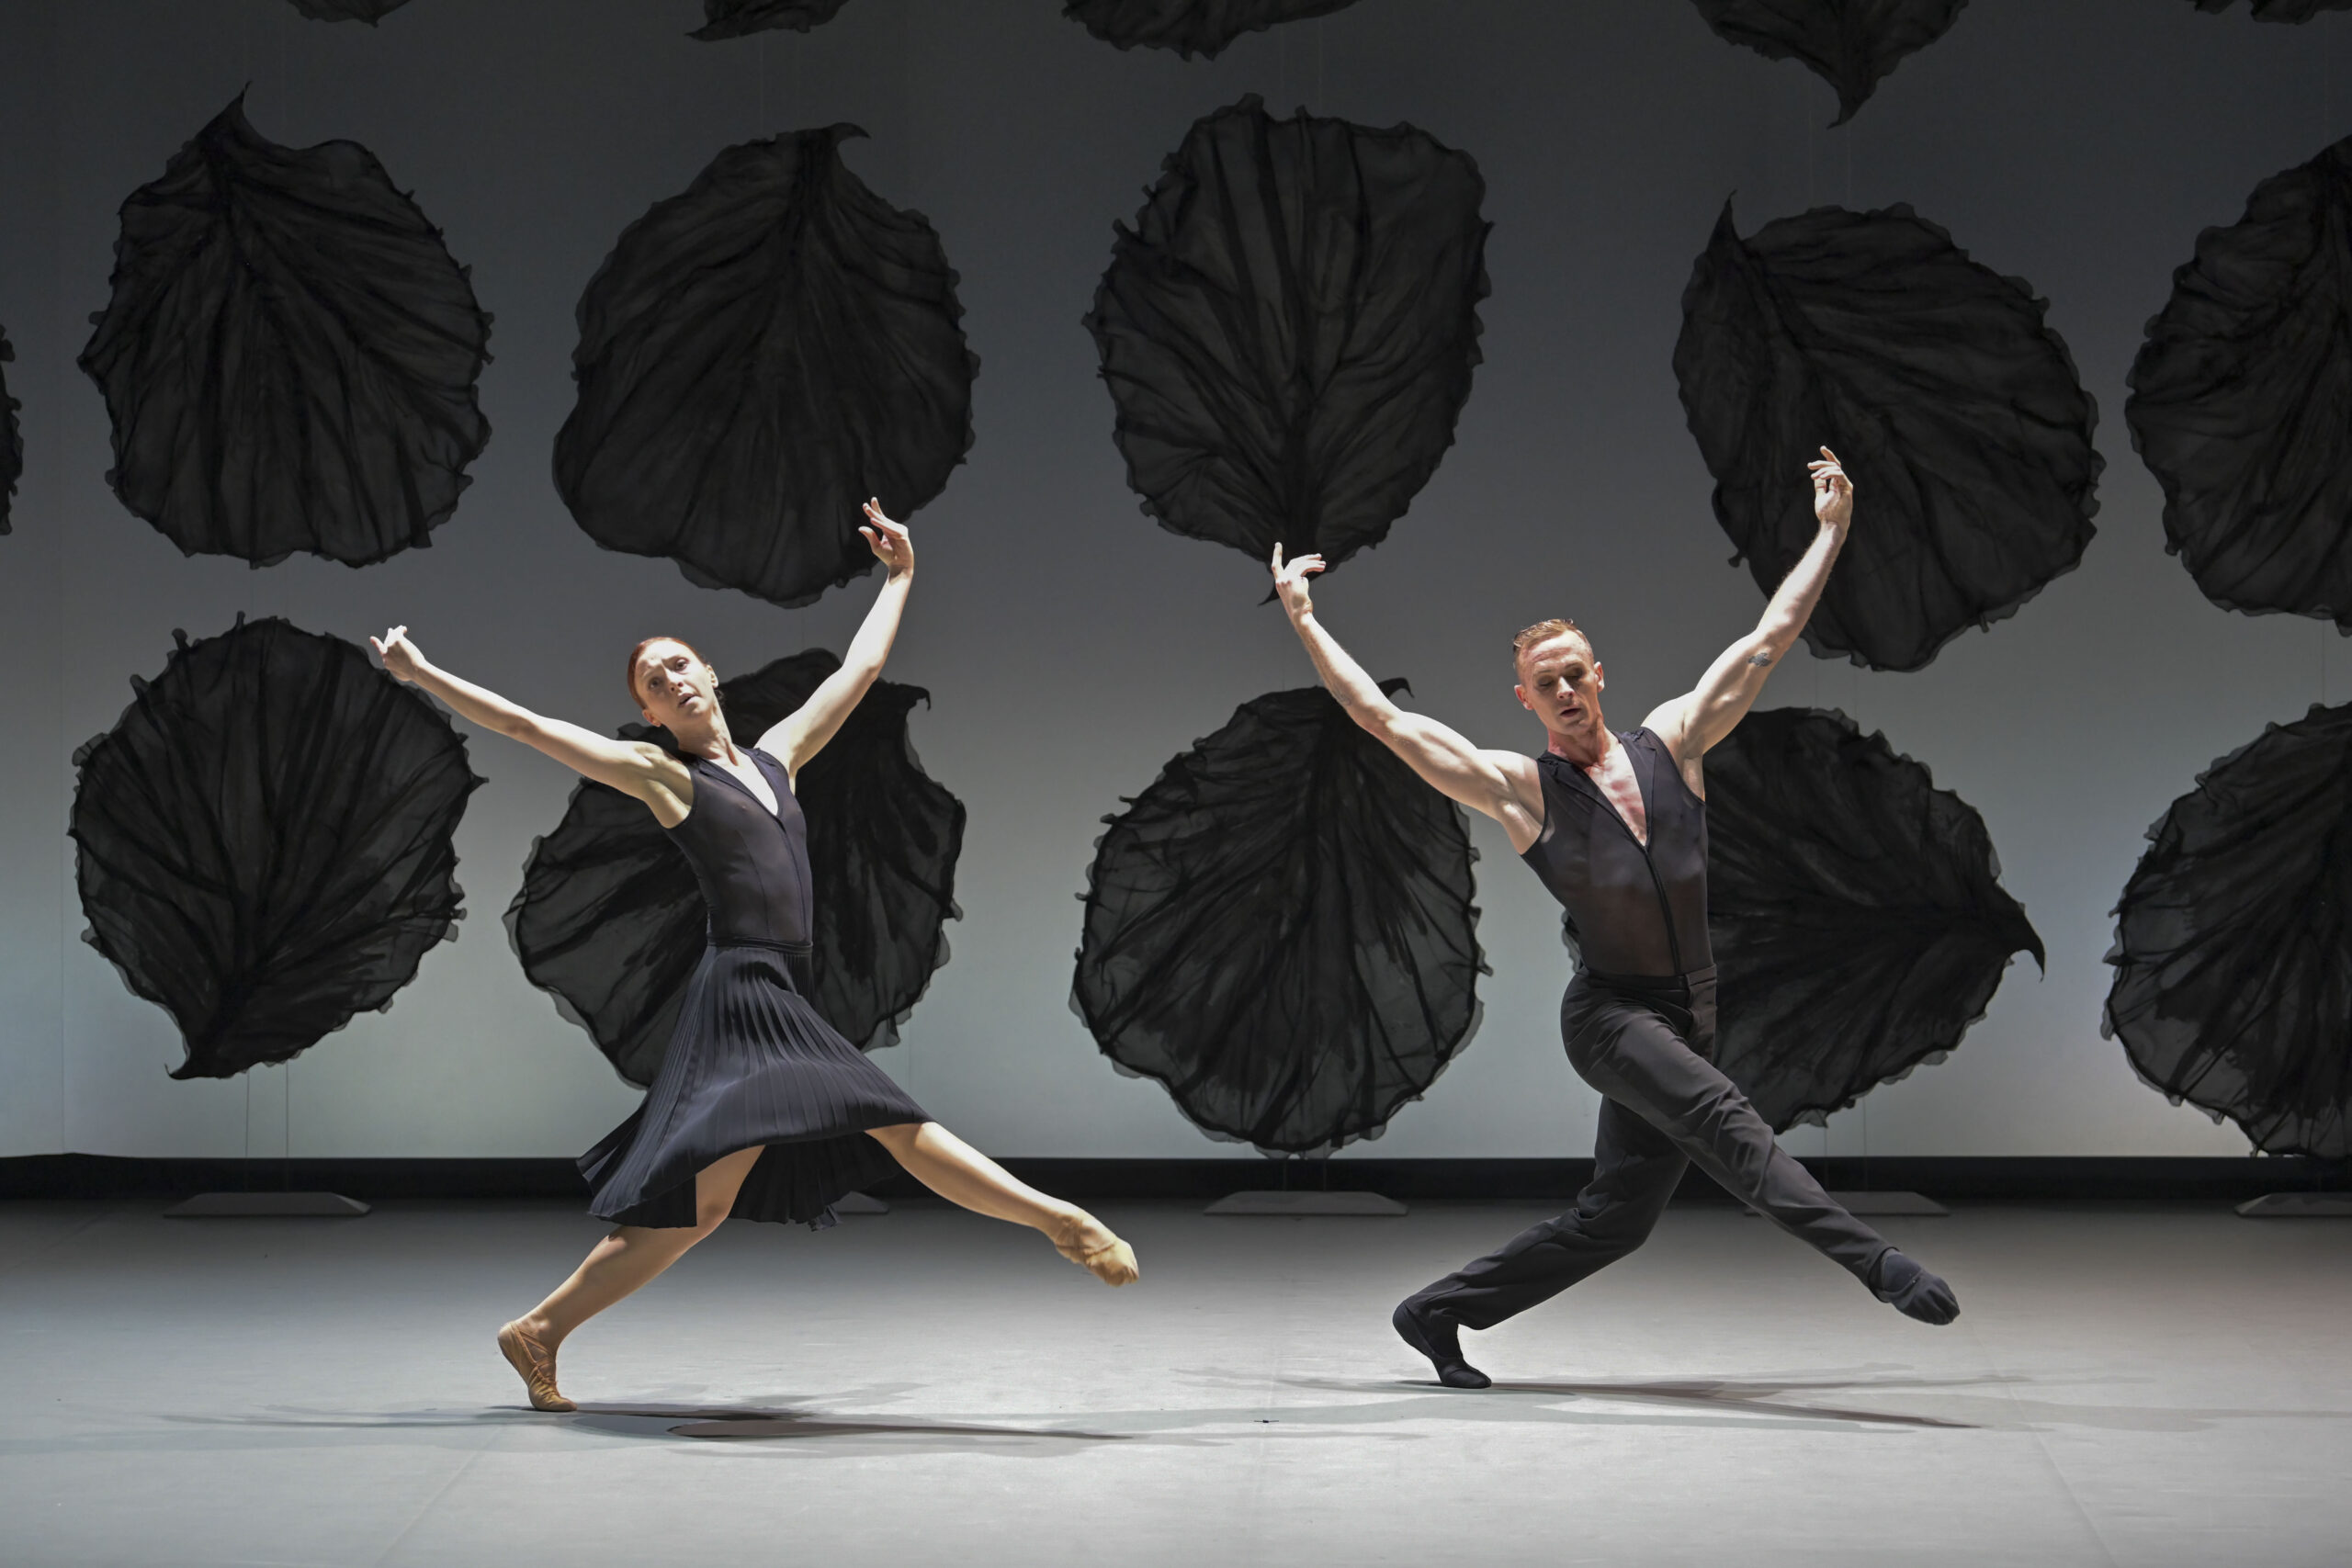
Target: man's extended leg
x=1630, y=1054
x=1636, y=1169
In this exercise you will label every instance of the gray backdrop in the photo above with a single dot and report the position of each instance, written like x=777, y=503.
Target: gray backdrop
x=1072, y=646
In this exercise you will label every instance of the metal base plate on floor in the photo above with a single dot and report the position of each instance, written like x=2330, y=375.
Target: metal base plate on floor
x=1885, y=1204
x=1362, y=1205
x=859, y=1203
x=267, y=1206
x=2299, y=1206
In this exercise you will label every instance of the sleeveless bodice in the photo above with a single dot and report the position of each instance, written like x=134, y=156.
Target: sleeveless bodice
x=1631, y=909
x=753, y=864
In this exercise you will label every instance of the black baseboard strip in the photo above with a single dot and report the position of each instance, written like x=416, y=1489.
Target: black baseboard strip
x=1964, y=1178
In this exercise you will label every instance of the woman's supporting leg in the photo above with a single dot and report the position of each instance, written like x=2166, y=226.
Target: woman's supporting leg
x=616, y=1267
x=963, y=1175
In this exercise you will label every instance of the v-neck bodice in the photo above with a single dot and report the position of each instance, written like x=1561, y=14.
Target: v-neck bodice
x=752, y=864
x=1633, y=908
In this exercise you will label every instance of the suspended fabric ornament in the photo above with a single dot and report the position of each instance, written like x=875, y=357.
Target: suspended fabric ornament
x=12, y=439
x=2242, y=399
x=1956, y=409
x=290, y=357
x=2280, y=10
x=1190, y=27
x=1853, y=45
x=757, y=357
x=1279, y=930
x=368, y=11
x=740, y=19
x=1289, y=331
x=264, y=841
x=610, y=922
x=1856, y=913
x=2233, y=956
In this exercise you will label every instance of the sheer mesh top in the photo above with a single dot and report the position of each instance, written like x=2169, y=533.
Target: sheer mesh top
x=1630, y=910
x=752, y=864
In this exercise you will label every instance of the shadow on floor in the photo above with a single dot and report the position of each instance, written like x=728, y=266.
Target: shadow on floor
x=749, y=1423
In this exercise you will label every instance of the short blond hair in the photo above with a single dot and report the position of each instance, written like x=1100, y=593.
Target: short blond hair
x=1543, y=632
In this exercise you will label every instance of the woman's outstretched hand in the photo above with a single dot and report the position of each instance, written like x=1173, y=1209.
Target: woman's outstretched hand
x=889, y=541
x=401, y=659
x=1290, y=582
x=1833, y=492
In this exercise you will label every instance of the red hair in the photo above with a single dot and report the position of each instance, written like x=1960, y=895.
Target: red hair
x=638, y=652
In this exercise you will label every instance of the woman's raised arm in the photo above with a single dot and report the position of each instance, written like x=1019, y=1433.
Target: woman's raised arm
x=633, y=767
x=802, y=733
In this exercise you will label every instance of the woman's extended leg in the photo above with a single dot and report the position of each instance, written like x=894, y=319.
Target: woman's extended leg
x=615, y=1266
x=962, y=1175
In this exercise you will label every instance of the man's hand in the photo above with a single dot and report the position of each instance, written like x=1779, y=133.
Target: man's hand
x=1290, y=582
x=1833, y=492
x=401, y=659
x=889, y=541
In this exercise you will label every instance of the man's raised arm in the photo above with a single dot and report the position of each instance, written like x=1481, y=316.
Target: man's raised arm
x=1483, y=781
x=1691, y=724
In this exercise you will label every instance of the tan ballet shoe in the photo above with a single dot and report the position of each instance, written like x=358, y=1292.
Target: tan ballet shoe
x=1111, y=1260
x=536, y=1363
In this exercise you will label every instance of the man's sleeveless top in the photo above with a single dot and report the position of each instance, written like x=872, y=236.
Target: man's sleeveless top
x=1631, y=910
x=753, y=864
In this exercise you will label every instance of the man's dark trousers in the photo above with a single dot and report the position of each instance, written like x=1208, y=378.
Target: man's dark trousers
x=1644, y=1042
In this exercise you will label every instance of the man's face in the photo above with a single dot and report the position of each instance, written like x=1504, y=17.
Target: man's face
x=1560, y=683
x=676, y=685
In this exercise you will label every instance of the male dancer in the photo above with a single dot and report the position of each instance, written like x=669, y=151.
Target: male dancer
x=1616, y=826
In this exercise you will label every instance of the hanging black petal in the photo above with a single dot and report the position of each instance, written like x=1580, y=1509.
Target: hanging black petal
x=368, y=11
x=12, y=440
x=264, y=841
x=740, y=19
x=1190, y=27
x=2233, y=952
x=290, y=357
x=756, y=358
x=1280, y=930
x=609, y=919
x=2281, y=10
x=2242, y=399
x=1851, y=44
x=1289, y=329
x=1958, y=412
x=1856, y=913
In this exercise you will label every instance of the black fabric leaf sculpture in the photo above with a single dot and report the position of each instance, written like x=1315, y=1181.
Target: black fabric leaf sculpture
x=609, y=920
x=2281, y=10
x=1280, y=930
x=12, y=440
x=1858, y=917
x=263, y=843
x=756, y=358
x=1190, y=27
x=2242, y=399
x=290, y=354
x=1289, y=329
x=740, y=19
x=1853, y=45
x=368, y=11
x=1957, y=411
x=2233, y=952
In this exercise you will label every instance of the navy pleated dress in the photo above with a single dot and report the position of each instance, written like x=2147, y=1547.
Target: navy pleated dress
x=752, y=1063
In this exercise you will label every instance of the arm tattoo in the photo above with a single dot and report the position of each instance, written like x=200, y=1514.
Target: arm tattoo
x=1759, y=659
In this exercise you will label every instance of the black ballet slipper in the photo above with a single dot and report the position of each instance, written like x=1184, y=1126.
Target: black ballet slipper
x=1906, y=1285
x=1440, y=1339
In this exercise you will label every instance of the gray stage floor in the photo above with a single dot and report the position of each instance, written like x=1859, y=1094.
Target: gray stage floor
x=2127, y=1385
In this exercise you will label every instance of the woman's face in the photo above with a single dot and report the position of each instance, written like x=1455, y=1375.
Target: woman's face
x=675, y=686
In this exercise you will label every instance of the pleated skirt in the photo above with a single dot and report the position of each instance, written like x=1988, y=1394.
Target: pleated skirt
x=750, y=1064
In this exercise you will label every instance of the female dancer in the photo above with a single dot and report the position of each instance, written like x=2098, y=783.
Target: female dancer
x=760, y=1108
